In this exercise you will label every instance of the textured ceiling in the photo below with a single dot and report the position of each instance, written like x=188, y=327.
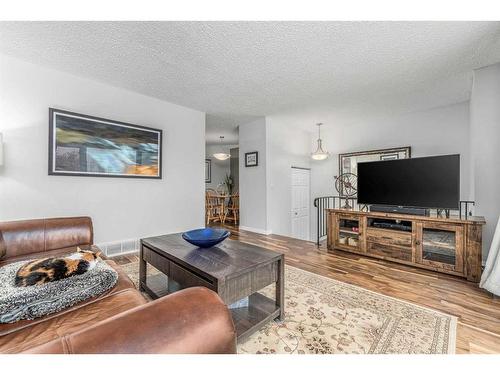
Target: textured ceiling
x=236, y=71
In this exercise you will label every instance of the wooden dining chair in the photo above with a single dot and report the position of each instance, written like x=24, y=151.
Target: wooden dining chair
x=232, y=212
x=213, y=207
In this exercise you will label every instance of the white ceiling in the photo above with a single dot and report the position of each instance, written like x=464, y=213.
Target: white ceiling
x=237, y=71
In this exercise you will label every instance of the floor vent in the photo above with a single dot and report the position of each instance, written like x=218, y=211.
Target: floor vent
x=111, y=249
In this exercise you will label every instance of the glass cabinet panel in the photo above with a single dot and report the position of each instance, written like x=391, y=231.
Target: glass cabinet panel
x=439, y=245
x=349, y=232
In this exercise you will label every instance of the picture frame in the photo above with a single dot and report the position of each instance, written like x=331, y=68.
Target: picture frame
x=90, y=146
x=208, y=171
x=251, y=159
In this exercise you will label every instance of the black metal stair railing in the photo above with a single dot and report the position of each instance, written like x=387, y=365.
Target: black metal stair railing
x=321, y=204
x=324, y=203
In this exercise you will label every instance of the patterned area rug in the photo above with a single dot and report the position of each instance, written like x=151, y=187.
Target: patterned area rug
x=326, y=316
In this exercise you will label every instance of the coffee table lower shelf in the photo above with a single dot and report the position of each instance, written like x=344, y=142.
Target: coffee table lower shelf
x=247, y=320
x=260, y=311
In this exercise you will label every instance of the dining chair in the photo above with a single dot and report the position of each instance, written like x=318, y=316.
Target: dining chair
x=214, y=209
x=232, y=213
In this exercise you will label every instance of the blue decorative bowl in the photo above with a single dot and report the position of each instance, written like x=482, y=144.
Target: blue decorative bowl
x=205, y=237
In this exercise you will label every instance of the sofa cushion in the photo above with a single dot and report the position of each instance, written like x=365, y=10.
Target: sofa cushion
x=71, y=321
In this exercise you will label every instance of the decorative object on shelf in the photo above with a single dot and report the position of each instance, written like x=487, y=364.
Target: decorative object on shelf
x=443, y=212
x=82, y=145
x=1, y=149
x=221, y=155
x=319, y=154
x=465, y=210
x=208, y=171
x=352, y=242
x=205, y=237
x=251, y=159
x=348, y=162
x=346, y=184
x=490, y=280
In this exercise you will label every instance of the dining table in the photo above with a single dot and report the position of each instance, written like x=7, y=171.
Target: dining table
x=223, y=200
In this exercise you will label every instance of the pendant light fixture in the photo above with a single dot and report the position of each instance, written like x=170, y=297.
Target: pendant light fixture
x=319, y=154
x=221, y=155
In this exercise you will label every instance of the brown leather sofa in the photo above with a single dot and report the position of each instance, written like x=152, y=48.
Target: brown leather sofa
x=193, y=320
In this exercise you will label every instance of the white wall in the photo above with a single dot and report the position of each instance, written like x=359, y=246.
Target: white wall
x=485, y=148
x=121, y=208
x=253, y=180
x=437, y=131
x=219, y=167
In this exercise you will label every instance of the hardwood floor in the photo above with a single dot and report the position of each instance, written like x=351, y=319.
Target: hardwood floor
x=478, y=312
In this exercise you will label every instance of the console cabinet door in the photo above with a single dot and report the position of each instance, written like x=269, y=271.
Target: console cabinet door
x=349, y=232
x=440, y=245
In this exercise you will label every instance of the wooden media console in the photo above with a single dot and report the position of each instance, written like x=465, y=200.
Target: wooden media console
x=449, y=245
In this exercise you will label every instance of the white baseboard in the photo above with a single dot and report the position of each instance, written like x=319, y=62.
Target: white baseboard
x=256, y=230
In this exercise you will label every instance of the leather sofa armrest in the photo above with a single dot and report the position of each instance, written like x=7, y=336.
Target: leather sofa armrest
x=193, y=321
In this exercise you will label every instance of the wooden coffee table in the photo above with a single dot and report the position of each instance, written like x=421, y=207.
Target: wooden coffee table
x=233, y=269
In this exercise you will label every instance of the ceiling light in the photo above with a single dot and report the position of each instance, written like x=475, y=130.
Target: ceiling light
x=221, y=155
x=320, y=154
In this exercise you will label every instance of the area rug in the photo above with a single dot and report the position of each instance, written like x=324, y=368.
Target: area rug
x=326, y=316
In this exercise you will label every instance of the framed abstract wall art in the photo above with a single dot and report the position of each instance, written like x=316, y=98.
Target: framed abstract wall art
x=82, y=145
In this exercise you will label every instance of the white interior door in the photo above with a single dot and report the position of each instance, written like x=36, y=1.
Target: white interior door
x=301, y=181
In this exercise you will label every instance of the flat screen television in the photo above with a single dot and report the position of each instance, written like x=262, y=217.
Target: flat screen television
x=429, y=182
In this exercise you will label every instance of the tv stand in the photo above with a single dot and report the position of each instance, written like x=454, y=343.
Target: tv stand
x=444, y=244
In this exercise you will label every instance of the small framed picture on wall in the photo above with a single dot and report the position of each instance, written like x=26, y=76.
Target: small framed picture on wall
x=251, y=159
x=208, y=171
